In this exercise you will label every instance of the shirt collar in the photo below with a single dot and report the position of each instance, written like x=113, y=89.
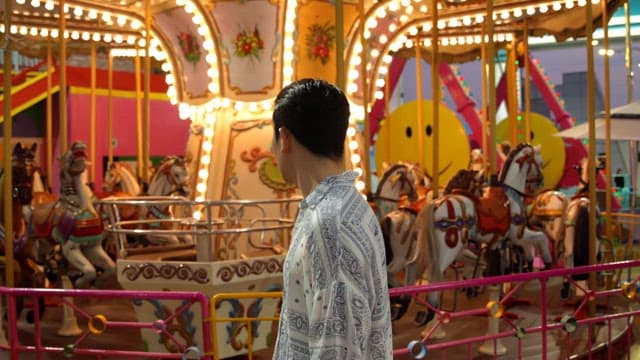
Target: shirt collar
x=346, y=178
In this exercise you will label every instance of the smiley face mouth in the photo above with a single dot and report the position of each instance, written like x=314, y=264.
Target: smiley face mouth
x=442, y=171
x=545, y=164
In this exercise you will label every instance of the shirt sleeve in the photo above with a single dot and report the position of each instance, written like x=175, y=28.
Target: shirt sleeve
x=339, y=322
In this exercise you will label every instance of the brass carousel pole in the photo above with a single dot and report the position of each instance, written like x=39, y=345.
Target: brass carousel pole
x=607, y=120
x=146, y=108
x=110, y=107
x=136, y=61
x=49, y=115
x=493, y=347
x=491, y=90
x=64, y=142
x=527, y=82
x=435, y=90
x=592, y=150
x=92, y=107
x=485, y=109
x=7, y=132
x=340, y=44
x=365, y=100
x=417, y=45
x=387, y=112
x=512, y=91
x=627, y=54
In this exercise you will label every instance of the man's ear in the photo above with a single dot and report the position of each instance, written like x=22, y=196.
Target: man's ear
x=286, y=140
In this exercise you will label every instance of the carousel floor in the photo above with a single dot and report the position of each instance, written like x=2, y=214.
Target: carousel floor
x=559, y=347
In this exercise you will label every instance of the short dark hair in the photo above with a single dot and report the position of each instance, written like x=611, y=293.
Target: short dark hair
x=316, y=113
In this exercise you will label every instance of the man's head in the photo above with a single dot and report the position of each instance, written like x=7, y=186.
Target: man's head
x=316, y=113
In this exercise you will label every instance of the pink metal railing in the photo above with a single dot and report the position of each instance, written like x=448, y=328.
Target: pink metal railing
x=98, y=323
x=419, y=348
x=207, y=351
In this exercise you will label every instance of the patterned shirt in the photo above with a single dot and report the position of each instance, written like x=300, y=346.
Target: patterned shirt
x=336, y=302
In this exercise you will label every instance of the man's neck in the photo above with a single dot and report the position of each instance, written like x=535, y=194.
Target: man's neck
x=313, y=169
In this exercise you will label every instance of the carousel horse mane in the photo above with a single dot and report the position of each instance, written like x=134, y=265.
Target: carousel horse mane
x=463, y=180
x=511, y=155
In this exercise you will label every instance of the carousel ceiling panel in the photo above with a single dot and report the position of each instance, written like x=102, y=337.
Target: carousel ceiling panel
x=250, y=40
x=317, y=38
x=186, y=43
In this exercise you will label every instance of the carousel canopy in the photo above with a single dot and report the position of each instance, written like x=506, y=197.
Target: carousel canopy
x=196, y=38
x=625, y=125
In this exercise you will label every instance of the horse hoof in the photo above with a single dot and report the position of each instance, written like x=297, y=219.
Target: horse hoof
x=30, y=317
x=399, y=307
x=423, y=317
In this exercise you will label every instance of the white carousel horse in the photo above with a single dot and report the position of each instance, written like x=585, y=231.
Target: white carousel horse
x=397, y=226
x=170, y=178
x=400, y=235
x=399, y=180
x=446, y=224
x=72, y=221
x=120, y=178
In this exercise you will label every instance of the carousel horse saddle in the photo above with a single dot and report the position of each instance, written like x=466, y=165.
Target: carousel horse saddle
x=80, y=225
x=493, y=211
x=42, y=218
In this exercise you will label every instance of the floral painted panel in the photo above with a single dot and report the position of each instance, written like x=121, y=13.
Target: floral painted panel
x=316, y=53
x=183, y=36
x=250, y=44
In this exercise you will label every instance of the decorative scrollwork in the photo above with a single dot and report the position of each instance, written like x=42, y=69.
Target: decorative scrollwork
x=242, y=269
x=166, y=271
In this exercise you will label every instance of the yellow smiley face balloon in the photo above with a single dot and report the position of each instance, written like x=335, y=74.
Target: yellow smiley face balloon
x=398, y=140
x=552, y=147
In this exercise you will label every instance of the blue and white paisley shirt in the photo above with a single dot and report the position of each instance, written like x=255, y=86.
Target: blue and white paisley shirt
x=336, y=301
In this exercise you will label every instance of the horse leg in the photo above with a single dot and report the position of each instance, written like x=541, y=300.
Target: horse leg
x=97, y=255
x=74, y=255
x=539, y=240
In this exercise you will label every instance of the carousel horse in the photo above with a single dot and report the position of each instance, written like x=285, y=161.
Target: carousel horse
x=72, y=221
x=399, y=180
x=400, y=236
x=447, y=224
x=120, y=178
x=576, y=233
x=28, y=272
x=547, y=212
x=171, y=178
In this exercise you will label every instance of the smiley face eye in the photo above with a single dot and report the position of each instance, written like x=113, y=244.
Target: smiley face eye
x=531, y=135
x=429, y=130
x=408, y=132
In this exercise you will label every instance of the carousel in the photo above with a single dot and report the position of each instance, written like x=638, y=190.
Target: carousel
x=158, y=191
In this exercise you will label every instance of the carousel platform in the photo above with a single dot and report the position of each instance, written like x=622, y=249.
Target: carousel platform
x=624, y=342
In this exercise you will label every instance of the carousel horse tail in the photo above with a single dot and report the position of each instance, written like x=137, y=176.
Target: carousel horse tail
x=581, y=241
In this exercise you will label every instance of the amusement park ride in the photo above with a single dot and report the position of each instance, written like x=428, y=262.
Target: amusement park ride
x=197, y=240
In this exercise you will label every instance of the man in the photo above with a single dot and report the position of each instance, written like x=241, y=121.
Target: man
x=336, y=303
